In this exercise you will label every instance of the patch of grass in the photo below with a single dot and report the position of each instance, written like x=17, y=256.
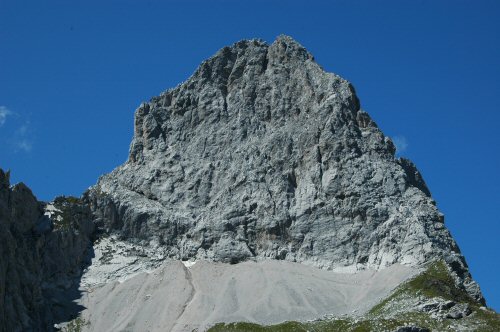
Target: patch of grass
x=250, y=327
x=67, y=199
x=76, y=325
x=487, y=320
x=483, y=321
x=366, y=325
x=436, y=281
x=335, y=325
x=71, y=212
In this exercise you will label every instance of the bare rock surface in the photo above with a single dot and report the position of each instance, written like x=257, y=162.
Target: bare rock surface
x=262, y=154
x=116, y=260
x=176, y=297
x=42, y=250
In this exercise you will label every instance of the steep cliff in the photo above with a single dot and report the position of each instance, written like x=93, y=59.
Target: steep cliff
x=263, y=154
x=42, y=250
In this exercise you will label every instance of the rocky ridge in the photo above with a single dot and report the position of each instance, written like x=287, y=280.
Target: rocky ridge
x=42, y=249
x=261, y=154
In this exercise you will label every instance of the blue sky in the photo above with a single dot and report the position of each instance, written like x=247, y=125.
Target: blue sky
x=73, y=72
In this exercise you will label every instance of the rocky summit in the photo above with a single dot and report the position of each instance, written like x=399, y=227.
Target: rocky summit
x=256, y=192
x=263, y=154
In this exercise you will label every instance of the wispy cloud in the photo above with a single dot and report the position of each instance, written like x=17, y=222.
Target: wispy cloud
x=22, y=138
x=401, y=143
x=19, y=133
x=4, y=113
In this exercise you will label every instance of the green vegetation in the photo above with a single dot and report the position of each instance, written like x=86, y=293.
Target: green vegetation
x=435, y=282
x=336, y=325
x=70, y=210
x=487, y=321
x=249, y=327
x=76, y=325
x=67, y=199
x=480, y=321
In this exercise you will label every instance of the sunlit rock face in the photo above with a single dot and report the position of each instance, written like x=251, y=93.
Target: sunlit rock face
x=263, y=154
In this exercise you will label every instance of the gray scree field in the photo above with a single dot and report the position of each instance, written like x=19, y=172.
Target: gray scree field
x=179, y=298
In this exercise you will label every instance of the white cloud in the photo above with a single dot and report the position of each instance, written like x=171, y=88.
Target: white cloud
x=4, y=112
x=19, y=133
x=23, y=138
x=401, y=143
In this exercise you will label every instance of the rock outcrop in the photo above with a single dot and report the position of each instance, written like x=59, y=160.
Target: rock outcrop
x=263, y=154
x=42, y=249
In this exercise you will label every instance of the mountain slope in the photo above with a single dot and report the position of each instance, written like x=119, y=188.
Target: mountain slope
x=263, y=154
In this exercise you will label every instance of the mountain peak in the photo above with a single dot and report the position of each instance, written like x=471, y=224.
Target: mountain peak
x=284, y=51
x=290, y=46
x=261, y=153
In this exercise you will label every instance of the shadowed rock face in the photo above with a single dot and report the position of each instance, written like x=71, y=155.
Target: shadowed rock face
x=40, y=259
x=261, y=153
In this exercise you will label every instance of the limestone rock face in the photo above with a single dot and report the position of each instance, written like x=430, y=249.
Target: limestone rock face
x=40, y=258
x=263, y=154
